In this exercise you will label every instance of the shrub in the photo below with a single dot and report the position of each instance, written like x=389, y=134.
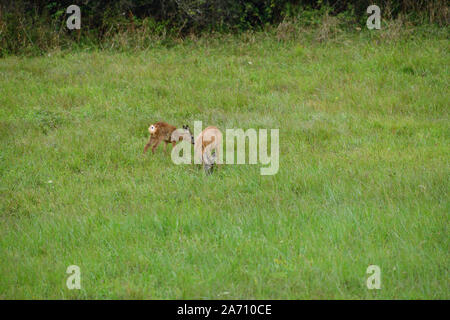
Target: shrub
x=33, y=27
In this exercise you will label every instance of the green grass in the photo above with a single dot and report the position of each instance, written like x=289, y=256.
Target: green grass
x=363, y=178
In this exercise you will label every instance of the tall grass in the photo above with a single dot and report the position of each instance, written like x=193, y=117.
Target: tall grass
x=35, y=28
x=363, y=179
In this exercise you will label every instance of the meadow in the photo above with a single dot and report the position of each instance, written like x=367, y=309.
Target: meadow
x=363, y=177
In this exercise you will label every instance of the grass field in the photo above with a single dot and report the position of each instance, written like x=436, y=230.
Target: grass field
x=363, y=178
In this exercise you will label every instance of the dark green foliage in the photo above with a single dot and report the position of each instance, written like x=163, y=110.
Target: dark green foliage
x=38, y=26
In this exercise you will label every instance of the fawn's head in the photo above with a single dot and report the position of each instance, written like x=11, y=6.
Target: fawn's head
x=208, y=162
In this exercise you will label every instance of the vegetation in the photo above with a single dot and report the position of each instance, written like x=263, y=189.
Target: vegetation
x=363, y=178
x=37, y=27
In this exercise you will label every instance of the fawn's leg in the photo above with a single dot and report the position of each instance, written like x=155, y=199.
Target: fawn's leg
x=149, y=143
x=155, y=145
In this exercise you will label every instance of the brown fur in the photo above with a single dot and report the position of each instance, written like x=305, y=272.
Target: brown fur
x=163, y=132
x=208, y=140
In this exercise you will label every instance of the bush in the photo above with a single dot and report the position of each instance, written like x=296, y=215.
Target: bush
x=40, y=26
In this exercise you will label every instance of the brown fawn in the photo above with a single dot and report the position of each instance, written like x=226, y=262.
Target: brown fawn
x=209, y=139
x=162, y=131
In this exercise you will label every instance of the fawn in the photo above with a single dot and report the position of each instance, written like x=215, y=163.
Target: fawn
x=162, y=131
x=209, y=139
